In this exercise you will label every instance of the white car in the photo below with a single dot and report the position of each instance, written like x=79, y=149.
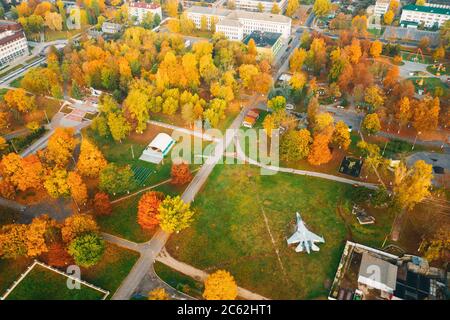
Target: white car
x=340, y=107
x=290, y=106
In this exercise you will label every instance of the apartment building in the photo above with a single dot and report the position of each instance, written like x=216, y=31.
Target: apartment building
x=428, y=15
x=235, y=24
x=381, y=7
x=140, y=9
x=13, y=43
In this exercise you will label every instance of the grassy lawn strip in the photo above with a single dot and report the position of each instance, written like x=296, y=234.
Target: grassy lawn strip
x=44, y=284
x=16, y=83
x=179, y=281
x=229, y=230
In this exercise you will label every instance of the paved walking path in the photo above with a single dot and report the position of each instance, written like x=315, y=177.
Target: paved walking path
x=244, y=157
x=200, y=275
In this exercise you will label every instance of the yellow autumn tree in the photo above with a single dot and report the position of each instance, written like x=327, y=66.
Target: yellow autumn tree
x=76, y=225
x=389, y=17
x=174, y=214
x=297, y=59
x=412, y=185
x=60, y=146
x=376, y=48
x=298, y=80
x=91, y=161
x=292, y=6
x=77, y=187
x=341, y=135
x=220, y=285
x=56, y=183
x=158, y=294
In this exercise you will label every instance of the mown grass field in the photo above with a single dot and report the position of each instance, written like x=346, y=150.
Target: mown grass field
x=229, y=231
x=43, y=284
x=108, y=274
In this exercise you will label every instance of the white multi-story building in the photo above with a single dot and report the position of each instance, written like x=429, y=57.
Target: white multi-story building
x=140, y=9
x=235, y=24
x=13, y=43
x=428, y=15
x=381, y=7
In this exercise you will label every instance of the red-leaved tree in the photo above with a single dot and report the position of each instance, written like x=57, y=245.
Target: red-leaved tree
x=148, y=209
x=102, y=204
x=180, y=173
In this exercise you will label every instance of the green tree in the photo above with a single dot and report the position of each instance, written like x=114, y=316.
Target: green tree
x=277, y=103
x=87, y=249
x=115, y=179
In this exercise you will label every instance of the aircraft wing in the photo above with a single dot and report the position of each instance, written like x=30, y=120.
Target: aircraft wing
x=296, y=237
x=313, y=237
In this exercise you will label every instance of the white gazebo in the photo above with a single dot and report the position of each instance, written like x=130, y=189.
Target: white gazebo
x=158, y=148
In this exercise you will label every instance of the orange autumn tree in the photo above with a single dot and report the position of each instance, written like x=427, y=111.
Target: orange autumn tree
x=60, y=146
x=35, y=235
x=180, y=173
x=102, y=204
x=22, y=173
x=320, y=152
x=77, y=187
x=76, y=225
x=91, y=161
x=148, y=209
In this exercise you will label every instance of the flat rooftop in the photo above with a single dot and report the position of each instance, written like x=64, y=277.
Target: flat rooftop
x=263, y=39
x=239, y=14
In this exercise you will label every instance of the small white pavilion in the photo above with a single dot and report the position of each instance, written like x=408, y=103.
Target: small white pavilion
x=158, y=148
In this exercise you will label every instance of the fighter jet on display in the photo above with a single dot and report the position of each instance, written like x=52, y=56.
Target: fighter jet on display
x=306, y=239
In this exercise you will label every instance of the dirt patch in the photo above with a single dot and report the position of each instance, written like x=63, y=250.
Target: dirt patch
x=148, y=135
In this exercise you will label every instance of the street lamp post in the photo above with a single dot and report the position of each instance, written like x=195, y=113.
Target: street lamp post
x=415, y=140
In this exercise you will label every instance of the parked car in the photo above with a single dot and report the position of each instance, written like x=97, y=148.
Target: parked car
x=339, y=106
x=290, y=106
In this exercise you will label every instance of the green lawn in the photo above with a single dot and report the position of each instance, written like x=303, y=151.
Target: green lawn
x=229, y=231
x=16, y=82
x=108, y=274
x=122, y=154
x=123, y=221
x=412, y=57
x=445, y=69
x=43, y=284
x=114, y=267
x=3, y=91
x=179, y=281
x=429, y=84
